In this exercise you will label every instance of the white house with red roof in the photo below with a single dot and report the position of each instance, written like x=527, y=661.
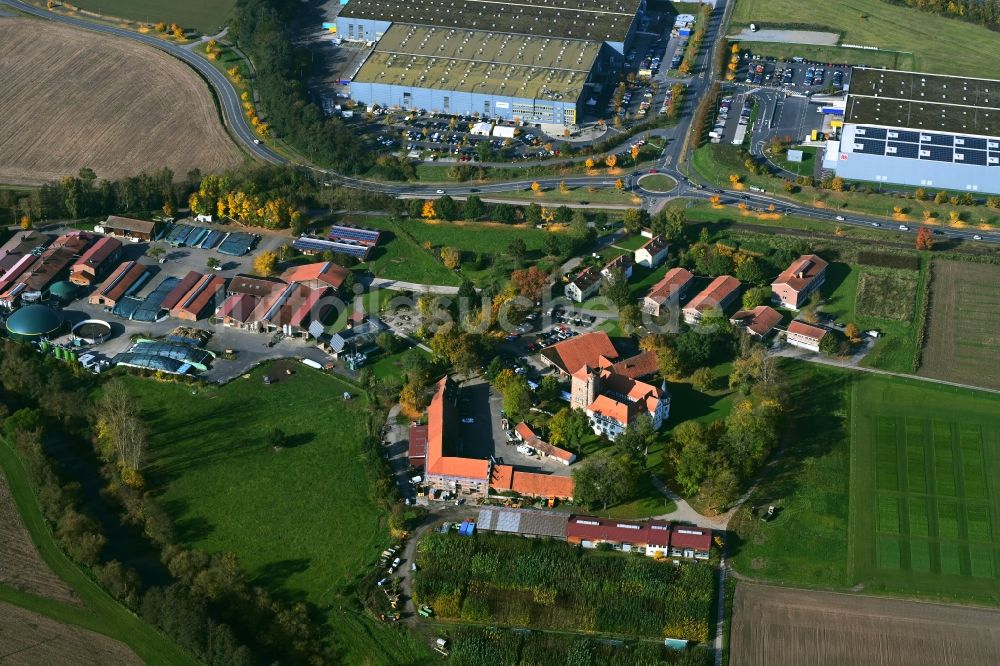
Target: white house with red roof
x=797, y=282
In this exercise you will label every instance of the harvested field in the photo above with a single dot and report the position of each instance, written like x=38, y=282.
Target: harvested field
x=774, y=626
x=21, y=567
x=73, y=99
x=887, y=294
x=963, y=342
x=29, y=639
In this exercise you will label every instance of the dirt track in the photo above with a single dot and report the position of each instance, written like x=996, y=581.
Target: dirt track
x=21, y=567
x=29, y=639
x=72, y=99
x=774, y=626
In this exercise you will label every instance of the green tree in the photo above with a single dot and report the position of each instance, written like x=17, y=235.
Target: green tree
x=474, y=208
x=749, y=271
x=615, y=288
x=568, y=428
x=635, y=219
x=635, y=440
x=517, y=249
x=703, y=379
x=446, y=208
x=517, y=397
x=630, y=316
x=604, y=479
x=756, y=296
x=689, y=455
x=549, y=389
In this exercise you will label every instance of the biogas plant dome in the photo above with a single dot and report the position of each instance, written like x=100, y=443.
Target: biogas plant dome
x=33, y=322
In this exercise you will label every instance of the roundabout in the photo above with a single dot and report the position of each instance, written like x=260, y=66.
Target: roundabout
x=656, y=183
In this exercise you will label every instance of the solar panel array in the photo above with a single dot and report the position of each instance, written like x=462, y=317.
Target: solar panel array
x=340, y=232
x=309, y=244
x=932, y=146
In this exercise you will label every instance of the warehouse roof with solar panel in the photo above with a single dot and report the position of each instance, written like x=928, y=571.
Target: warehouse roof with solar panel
x=926, y=130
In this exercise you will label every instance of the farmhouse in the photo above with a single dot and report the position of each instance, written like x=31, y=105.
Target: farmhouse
x=714, y=299
x=653, y=252
x=805, y=275
x=758, y=322
x=95, y=262
x=622, y=262
x=672, y=288
x=528, y=437
x=470, y=475
x=125, y=279
x=806, y=336
x=570, y=355
x=129, y=228
x=583, y=286
x=318, y=275
x=271, y=305
x=252, y=286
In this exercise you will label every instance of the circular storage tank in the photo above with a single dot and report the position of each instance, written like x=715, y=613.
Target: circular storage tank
x=34, y=322
x=64, y=291
x=92, y=331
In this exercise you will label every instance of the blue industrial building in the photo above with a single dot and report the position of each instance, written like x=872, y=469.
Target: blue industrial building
x=923, y=130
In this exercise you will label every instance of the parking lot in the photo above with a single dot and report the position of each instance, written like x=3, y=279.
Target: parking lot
x=795, y=75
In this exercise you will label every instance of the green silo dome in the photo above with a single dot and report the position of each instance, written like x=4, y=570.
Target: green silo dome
x=34, y=321
x=64, y=291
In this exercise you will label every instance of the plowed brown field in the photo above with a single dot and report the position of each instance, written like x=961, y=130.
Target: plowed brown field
x=21, y=566
x=774, y=626
x=30, y=639
x=72, y=98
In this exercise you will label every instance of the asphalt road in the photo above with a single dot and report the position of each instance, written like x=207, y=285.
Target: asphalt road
x=669, y=162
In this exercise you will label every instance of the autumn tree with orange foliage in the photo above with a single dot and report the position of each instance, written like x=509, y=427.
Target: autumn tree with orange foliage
x=925, y=240
x=610, y=161
x=428, y=212
x=530, y=282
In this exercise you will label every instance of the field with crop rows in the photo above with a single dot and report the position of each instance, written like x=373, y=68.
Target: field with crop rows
x=29, y=638
x=21, y=567
x=74, y=99
x=553, y=585
x=775, y=626
x=926, y=514
x=963, y=340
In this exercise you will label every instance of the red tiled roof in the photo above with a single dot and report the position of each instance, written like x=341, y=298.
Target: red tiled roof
x=552, y=451
x=256, y=286
x=570, y=355
x=182, y=288
x=98, y=253
x=760, y=320
x=197, y=299
x=417, y=448
x=441, y=419
x=672, y=282
x=524, y=431
x=640, y=365
x=806, y=330
x=589, y=528
x=608, y=406
x=542, y=485
x=802, y=272
x=655, y=245
x=714, y=294
x=121, y=280
x=238, y=307
x=695, y=538
x=324, y=271
x=501, y=477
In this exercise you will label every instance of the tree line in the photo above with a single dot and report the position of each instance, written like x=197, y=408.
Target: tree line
x=981, y=12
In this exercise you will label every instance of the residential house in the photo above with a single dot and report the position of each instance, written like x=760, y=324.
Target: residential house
x=95, y=262
x=622, y=262
x=713, y=299
x=653, y=252
x=671, y=288
x=806, y=336
x=758, y=322
x=528, y=437
x=797, y=282
x=583, y=286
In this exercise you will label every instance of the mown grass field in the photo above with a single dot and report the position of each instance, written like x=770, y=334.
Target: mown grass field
x=206, y=16
x=962, y=343
x=925, y=509
x=301, y=520
x=931, y=39
x=884, y=485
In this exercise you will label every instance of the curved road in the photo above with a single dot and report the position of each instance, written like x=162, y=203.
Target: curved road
x=668, y=163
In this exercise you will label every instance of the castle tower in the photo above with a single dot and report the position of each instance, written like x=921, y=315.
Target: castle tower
x=583, y=387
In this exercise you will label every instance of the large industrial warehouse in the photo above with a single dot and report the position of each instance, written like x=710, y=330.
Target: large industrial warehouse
x=924, y=130
x=539, y=61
